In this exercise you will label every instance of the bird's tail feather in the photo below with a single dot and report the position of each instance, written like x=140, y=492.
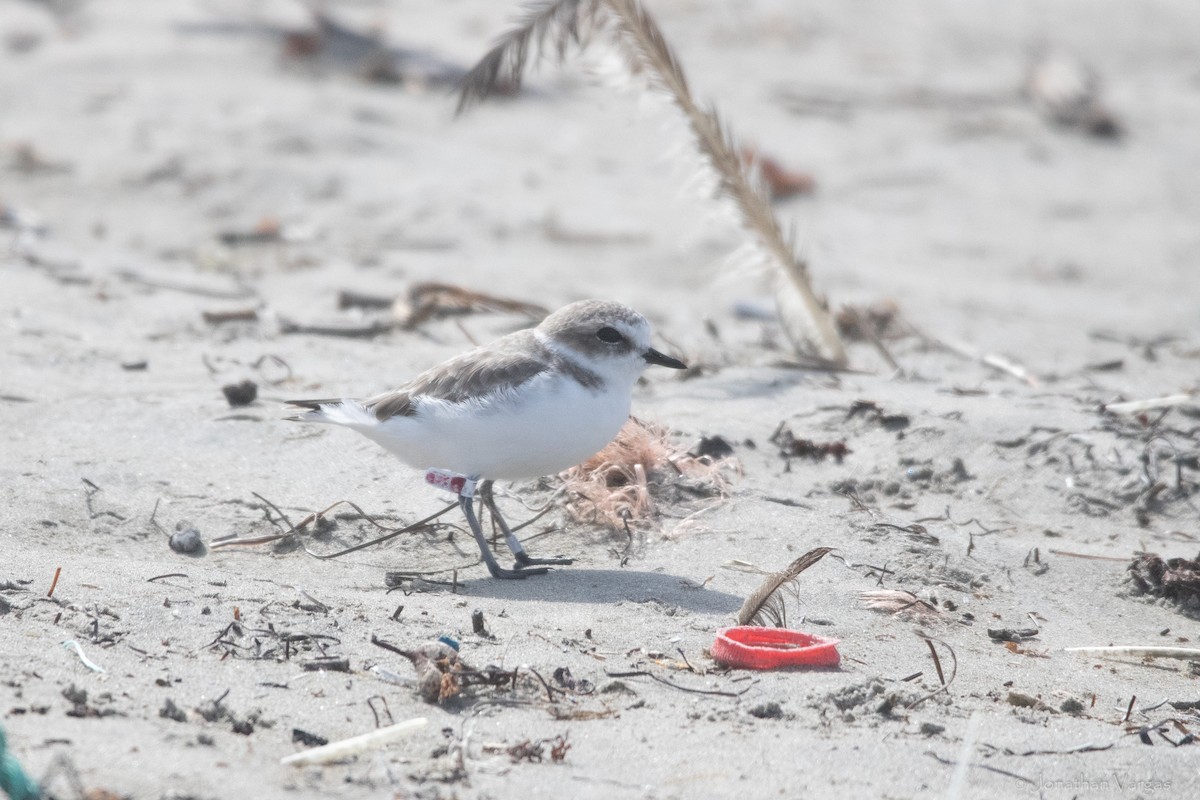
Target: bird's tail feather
x=337, y=411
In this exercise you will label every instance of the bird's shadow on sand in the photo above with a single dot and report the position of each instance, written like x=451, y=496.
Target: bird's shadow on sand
x=606, y=586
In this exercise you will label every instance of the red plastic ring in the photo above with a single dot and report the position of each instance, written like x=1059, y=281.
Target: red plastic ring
x=749, y=647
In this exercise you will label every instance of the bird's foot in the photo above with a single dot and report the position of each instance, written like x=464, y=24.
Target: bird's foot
x=519, y=573
x=526, y=560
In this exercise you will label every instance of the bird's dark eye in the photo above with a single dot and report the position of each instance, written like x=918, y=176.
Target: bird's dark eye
x=609, y=335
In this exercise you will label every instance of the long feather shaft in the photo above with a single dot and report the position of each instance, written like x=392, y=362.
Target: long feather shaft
x=767, y=593
x=715, y=142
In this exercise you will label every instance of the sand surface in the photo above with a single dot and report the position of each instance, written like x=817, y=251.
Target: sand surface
x=136, y=136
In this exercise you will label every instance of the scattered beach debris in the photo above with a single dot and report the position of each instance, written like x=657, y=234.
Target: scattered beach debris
x=713, y=447
x=867, y=323
x=335, y=46
x=430, y=300
x=442, y=675
x=767, y=605
x=172, y=712
x=768, y=710
x=1023, y=700
x=240, y=394
x=563, y=677
x=790, y=446
x=234, y=315
x=1176, y=580
x=77, y=698
x=239, y=640
x=328, y=45
x=301, y=736
x=347, y=298
x=350, y=331
x=241, y=724
x=871, y=411
x=422, y=303
x=876, y=324
x=267, y=230
x=479, y=624
x=186, y=538
x=534, y=751
x=899, y=603
x=1011, y=634
x=624, y=483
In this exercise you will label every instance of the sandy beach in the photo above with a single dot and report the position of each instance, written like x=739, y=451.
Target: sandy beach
x=194, y=194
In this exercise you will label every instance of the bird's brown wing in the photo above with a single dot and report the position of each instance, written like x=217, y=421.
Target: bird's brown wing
x=501, y=366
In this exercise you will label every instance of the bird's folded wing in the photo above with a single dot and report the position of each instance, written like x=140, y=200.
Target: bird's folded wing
x=471, y=376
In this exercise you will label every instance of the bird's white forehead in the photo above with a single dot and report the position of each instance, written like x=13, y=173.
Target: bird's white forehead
x=592, y=315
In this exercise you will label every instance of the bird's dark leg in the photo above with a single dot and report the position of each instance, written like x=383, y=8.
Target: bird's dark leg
x=514, y=544
x=466, y=503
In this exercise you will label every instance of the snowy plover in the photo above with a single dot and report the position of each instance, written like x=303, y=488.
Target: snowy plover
x=529, y=404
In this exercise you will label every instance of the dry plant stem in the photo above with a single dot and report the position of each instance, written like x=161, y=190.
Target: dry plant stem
x=951, y=763
x=647, y=50
x=637, y=673
x=872, y=335
x=1138, y=406
x=1184, y=653
x=1088, y=556
x=937, y=662
x=650, y=49
x=313, y=517
x=945, y=687
x=335, y=751
x=994, y=361
x=346, y=331
x=219, y=317
x=988, y=359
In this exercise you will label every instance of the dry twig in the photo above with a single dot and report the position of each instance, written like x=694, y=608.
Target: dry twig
x=1184, y=653
x=430, y=300
x=945, y=687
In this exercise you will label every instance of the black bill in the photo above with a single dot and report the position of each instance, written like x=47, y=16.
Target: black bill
x=652, y=356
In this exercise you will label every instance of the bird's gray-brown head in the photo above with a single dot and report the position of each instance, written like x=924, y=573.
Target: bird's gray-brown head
x=610, y=339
